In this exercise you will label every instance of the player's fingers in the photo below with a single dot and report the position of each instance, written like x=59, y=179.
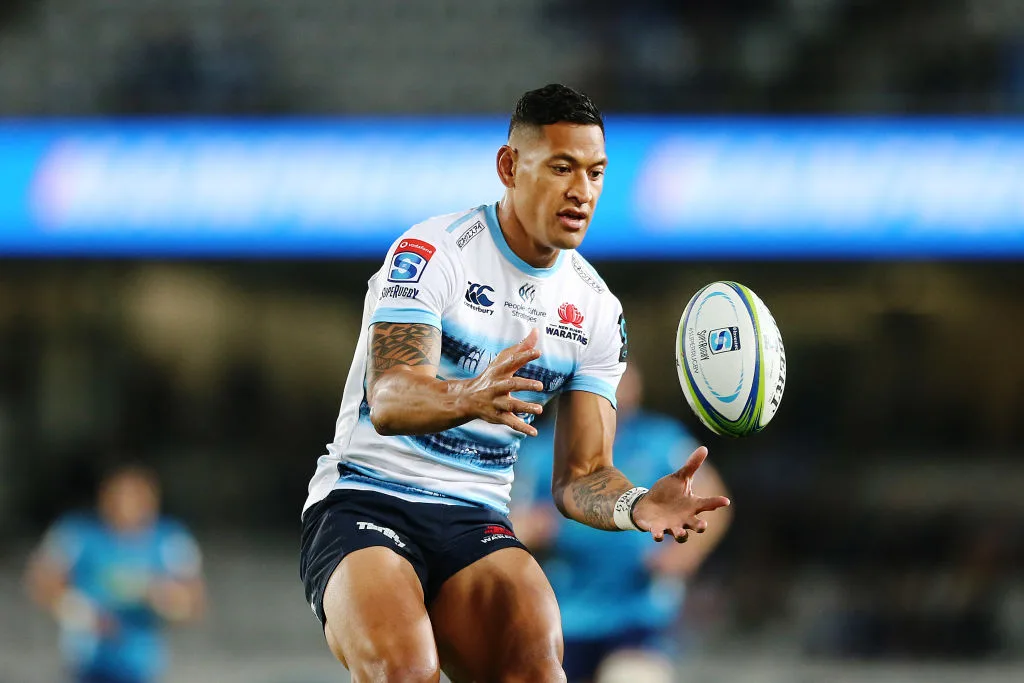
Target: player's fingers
x=696, y=524
x=680, y=534
x=516, y=423
x=519, y=359
x=509, y=384
x=523, y=384
x=517, y=406
x=693, y=463
x=531, y=339
x=712, y=503
x=658, y=534
x=513, y=405
x=528, y=343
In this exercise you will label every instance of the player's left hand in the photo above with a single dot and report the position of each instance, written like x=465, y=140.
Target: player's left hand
x=671, y=506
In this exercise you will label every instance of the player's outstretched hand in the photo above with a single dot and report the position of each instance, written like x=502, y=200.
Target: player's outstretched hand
x=671, y=507
x=490, y=393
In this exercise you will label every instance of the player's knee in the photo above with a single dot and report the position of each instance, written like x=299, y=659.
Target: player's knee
x=538, y=659
x=395, y=666
x=547, y=669
x=387, y=659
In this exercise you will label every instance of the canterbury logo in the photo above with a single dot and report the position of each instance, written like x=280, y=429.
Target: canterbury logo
x=477, y=294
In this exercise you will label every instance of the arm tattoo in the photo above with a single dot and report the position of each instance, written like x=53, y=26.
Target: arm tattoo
x=402, y=344
x=595, y=496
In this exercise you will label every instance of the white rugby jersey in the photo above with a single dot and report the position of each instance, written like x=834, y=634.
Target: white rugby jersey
x=458, y=274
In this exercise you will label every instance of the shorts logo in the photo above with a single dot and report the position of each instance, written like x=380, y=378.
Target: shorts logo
x=724, y=339
x=410, y=260
x=370, y=526
x=470, y=232
x=495, y=532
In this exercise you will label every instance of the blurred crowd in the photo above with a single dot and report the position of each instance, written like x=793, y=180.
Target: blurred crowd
x=772, y=56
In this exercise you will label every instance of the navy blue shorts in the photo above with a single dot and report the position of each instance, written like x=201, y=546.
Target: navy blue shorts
x=438, y=540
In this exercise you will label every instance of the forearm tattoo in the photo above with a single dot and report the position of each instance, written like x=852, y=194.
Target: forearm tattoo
x=402, y=344
x=595, y=494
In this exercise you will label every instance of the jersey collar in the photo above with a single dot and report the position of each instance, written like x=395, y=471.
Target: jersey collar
x=491, y=215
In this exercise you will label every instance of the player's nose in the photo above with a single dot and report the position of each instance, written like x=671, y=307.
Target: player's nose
x=580, y=190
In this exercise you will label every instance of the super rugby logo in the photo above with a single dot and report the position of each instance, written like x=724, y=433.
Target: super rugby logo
x=570, y=325
x=399, y=292
x=724, y=340
x=410, y=260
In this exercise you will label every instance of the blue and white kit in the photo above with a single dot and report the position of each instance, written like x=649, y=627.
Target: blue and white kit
x=458, y=274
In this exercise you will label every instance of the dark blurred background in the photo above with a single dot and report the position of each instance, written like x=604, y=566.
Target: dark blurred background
x=879, y=528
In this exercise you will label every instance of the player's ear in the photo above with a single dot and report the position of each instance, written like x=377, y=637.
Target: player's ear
x=506, y=163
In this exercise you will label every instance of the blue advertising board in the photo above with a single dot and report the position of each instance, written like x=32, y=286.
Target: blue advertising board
x=675, y=188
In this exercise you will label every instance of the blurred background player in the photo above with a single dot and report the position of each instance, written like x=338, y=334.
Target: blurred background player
x=619, y=595
x=112, y=578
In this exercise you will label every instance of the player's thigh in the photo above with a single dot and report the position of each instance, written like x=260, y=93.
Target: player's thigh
x=377, y=623
x=497, y=620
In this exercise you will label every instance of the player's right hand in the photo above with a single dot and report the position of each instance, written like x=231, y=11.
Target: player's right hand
x=489, y=394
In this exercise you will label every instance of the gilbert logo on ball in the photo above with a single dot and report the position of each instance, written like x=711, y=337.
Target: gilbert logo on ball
x=730, y=359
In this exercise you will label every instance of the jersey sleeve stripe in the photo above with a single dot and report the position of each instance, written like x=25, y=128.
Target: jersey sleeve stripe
x=405, y=315
x=594, y=386
x=461, y=220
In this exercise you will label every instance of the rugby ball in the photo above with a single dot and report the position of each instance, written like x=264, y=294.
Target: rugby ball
x=730, y=359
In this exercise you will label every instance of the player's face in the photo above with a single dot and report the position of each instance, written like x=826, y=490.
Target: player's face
x=129, y=501
x=559, y=177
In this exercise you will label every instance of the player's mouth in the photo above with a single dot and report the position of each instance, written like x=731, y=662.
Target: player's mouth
x=573, y=219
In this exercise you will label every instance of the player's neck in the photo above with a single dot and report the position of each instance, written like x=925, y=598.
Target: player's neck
x=519, y=241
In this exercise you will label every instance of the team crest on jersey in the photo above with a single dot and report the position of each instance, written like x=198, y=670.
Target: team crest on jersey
x=410, y=260
x=569, y=325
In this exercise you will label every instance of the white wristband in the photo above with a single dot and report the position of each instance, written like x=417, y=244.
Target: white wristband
x=624, y=508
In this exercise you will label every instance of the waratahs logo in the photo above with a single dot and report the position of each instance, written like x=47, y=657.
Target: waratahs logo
x=571, y=324
x=570, y=315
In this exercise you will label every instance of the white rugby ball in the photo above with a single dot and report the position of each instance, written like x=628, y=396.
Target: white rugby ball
x=730, y=359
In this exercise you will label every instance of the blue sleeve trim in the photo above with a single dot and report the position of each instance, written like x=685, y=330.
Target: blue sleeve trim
x=593, y=385
x=405, y=315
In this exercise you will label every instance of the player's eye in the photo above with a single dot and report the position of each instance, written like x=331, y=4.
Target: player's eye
x=596, y=174
x=561, y=168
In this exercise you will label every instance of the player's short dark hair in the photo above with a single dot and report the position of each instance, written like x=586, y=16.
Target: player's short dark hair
x=555, y=103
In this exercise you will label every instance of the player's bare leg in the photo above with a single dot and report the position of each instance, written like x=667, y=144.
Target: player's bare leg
x=497, y=621
x=377, y=625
